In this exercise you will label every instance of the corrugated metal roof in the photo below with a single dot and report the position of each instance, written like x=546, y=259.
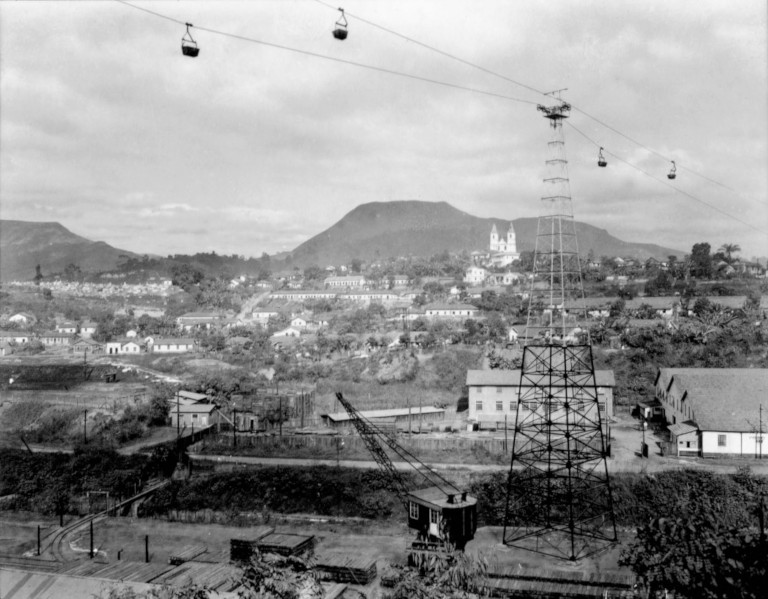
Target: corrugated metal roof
x=722, y=399
x=343, y=416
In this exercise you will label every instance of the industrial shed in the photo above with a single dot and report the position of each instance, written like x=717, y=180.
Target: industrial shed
x=399, y=417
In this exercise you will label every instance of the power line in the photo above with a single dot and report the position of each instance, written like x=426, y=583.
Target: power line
x=437, y=50
x=336, y=59
x=533, y=89
x=662, y=181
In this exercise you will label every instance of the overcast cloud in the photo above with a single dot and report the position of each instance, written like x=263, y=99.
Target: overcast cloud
x=108, y=129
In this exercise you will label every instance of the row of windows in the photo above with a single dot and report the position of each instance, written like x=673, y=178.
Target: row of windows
x=528, y=405
x=540, y=393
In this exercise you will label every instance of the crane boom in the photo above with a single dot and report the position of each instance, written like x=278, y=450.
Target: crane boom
x=370, y=434
x=441, y=513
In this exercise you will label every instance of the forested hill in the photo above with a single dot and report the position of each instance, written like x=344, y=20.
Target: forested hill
x=23, y=245
x=381, y=230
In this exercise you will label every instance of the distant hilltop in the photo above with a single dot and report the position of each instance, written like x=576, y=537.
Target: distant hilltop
x=370, y=232
x=23, y=245
x=383, y=229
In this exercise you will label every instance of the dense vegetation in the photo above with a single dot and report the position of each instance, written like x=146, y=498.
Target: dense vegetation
x=49, y=482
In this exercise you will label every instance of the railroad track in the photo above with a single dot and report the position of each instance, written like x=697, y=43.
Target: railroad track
x=53, y=545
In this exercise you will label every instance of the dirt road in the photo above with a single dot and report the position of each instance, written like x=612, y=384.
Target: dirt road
x=641, y=465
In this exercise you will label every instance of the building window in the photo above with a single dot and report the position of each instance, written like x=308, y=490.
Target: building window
x=499, y=389
x=479, y=405
x=513, y=406
x=434, y=516
x=413, y=510
x=499, y=406
x=721, y=440
x=479, y=389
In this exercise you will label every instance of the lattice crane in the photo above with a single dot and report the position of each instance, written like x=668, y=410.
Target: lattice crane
x=442, y=514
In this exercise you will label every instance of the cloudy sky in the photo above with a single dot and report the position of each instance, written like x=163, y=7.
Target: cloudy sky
x=107, y=128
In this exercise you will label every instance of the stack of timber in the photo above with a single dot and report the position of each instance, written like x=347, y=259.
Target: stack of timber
x=241, y=550
x=188, y=553
x=287, y=545
x=340, y=567
x=522, y=582
x=120, y=570
x=217, y=577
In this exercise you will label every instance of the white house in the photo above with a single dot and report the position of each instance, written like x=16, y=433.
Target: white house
x=122, y=346
x=494, y=396
x=131, y=334
x=350, y=281
x=193, y=415
x=475, y=275
x=714, y=412
x=298, y=323
x=23, y=318
x=450, y=311
x=87, y=329
x=289, y=332
x=14, y=336
x=172, y=345
x=67, y=326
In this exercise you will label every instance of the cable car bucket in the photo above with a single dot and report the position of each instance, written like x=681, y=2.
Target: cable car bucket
x=601, y=159
x=340, y=32
x=188, y=44
x=672, y=173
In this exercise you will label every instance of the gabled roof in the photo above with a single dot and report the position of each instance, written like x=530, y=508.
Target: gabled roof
x=722, y=399
x=511, y=378
x=173, y=341
x=683, y=428
x=438, y=306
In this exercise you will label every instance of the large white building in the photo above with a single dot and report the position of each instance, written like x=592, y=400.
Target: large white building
x=714, y=412
x=494, y=396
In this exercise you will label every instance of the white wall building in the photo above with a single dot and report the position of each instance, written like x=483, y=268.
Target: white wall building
x=714, y=411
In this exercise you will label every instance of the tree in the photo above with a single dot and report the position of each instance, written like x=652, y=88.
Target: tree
x=38, y=275
x=692, y=553
x=729, y=249
x=313, y=273
x=73, y=273
x=356, y=265
x=701, y=261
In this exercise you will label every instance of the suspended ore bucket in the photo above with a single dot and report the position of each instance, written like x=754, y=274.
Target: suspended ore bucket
x=190, y=50
x=339, y=33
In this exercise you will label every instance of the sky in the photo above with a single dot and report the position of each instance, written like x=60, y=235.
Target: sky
x=108, y=129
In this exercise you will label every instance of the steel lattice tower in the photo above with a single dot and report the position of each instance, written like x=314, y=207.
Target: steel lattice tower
x=559, y=499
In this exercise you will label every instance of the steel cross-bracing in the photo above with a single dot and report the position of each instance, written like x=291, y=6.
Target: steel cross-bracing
x=559, y=499
x=376, y=439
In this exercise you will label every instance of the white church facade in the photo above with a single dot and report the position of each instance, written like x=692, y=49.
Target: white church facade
x=503, y=249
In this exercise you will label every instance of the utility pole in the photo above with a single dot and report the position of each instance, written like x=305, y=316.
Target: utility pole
x=234, y=427
x=85, y=426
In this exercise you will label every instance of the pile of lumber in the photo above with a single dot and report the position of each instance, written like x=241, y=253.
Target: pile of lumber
x=287, y=545
x=241, y=550
x=341, y=567
x=189, y=552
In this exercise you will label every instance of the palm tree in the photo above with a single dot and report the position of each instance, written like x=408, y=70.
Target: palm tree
x=728, y=249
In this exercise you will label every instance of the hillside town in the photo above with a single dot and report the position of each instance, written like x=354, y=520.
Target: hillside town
x=384, y=301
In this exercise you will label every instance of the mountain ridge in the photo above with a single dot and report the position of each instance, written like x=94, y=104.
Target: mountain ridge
x=25, y=244
x=371, y=231
x=377, y=230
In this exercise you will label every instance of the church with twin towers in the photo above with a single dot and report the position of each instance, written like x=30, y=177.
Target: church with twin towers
x=503, y=249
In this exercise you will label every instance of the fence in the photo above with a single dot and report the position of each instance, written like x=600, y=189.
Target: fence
x=353, y=443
